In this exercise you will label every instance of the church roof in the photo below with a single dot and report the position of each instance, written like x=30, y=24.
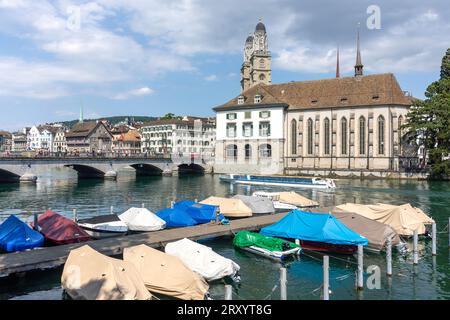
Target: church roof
x=370, y=90
x=260, y=27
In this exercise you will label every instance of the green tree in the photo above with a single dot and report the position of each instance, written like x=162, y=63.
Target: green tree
x=429, y=122
x=168, y=116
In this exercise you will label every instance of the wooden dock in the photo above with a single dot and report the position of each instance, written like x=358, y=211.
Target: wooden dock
x=53, y=257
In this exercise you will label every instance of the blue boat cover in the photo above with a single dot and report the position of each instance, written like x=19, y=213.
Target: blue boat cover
x=15, y=235
x=176, y=217
x=311, y=226
x=202, y=213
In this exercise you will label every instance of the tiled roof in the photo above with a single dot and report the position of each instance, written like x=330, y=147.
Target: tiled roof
x=371, y=90
x=132, y=135
x=83, y=129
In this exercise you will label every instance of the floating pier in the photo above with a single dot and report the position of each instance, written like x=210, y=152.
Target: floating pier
x=53, y=257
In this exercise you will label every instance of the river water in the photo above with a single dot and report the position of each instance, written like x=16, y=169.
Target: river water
x=61, y=191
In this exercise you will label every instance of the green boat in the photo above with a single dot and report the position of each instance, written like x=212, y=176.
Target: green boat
x=269, y=247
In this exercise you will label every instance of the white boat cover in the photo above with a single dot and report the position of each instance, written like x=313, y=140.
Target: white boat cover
x=105, y=223
x=232, y=208
x=291, y=198
x=90, y=275
x=202, y=259
x=142, y=219
x=258, y=205
x=166, y=274
x=404, y=219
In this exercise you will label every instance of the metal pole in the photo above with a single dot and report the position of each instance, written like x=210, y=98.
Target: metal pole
x=326, y=278
x=360, y=268
x=228, y=292
x=112, y=210
x=196, y=200
x=172, y=203
x=36, y=222
x=448, y=226
x=389, y=257
x=283, y=282
x=433, y=239
x=143, y=205
x=75, y=215
x=415, y=245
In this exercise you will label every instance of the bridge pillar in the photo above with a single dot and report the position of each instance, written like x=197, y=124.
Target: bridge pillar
x=111, y=175
x=28, y=178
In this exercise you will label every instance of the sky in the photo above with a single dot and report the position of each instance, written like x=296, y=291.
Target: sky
x=148, y=57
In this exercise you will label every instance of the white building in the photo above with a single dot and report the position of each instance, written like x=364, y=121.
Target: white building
x=59, y=141
x=41, y=138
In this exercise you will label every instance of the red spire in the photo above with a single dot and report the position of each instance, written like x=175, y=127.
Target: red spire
x=338, y=71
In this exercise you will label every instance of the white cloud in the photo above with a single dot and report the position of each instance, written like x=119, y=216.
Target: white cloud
x=211, y=77
x=144, y=91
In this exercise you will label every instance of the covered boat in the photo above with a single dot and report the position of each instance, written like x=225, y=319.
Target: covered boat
x=200, y=212
x=291, y=198
x=269, y=247
x=104, y=226
x=230, y=208
x=404, y=219
x=166, y=274
x=59, y=230
x=280, y=181
x=316, y=231
x=142, y=219
x=258, y=205
x=203, y=260
x=176, y=218
x=16, y=235
x=90, y=275
x=377, y=233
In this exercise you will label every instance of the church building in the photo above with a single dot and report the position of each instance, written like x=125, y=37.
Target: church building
x=343, y=126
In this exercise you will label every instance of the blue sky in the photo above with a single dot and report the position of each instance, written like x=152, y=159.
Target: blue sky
x=148, y=57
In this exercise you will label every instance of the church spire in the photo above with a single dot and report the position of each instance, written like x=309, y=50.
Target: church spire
x=338, y=70
x=358, y=66
x=81, y=114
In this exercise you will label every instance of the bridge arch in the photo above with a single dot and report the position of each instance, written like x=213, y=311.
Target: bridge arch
x=146, y=170
x=8, y=176
x=191, y=168
x=86, y=172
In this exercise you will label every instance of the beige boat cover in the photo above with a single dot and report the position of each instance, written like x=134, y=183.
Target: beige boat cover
x=166, y=274
x=404, y=219
x=90, y=275
x=296, y=199
x=232, y=208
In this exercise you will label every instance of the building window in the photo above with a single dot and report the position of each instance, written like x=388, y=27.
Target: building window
x=231, y=151
x=362, y=136
x=264, y=114
x=265, y=151
x=326, y=132
x=264, y=129
x=231, y=116
x=241, y=100
x=231, y=130
x=247, y=129
x=380, y=135
x=261, y=64
x=262, y=77
x=258, y=98
x=248, y=115
x=309, y=136
x=344, y=136
x=294, y=136
x=248, y=151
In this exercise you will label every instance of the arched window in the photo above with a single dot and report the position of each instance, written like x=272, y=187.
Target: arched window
x=309, y=136
x=326, y=132
x=294, y=136
x=248, y=151
x=344, y=138
x=261, y=63
x=381, y=125
x=265, y=151
x=362, y=135
x=231, y=151
x=262, y=77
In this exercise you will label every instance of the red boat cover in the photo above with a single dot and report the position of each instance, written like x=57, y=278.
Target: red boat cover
x=60, y=230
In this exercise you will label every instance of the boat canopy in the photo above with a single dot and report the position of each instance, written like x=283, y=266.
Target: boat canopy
x=233, y=208
x=202, y=259
x=90, y=275
x=16, y=235
x=166, y=274
x=142, y=219
x=313, y=226
x=176, y=218
x=404, y=219
x=296, y=200
x=258, y=205
x=246, y=239
x=200, y=212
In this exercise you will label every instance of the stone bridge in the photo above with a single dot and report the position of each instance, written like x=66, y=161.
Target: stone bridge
x=28, y=169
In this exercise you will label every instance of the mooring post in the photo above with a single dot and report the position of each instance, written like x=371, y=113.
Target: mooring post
x=448, y=227
x=195, y=200
x=172, y=203
x=228, y=292
x=326, y=278
x=297, y=242
x=75, y=216
x=360, y=285
x=415, y=249
x=389, y=258
x=283, y=282
x=433, y=239
x=112, y=210
x=36, y=222
x=143, y=205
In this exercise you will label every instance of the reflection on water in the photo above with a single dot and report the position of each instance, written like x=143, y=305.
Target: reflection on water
x=62, y=192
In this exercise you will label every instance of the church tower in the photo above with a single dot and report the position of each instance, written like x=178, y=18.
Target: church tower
x=257, y=59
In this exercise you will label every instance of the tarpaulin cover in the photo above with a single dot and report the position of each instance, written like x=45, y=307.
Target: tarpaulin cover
x=232, y=208
x=142, y=219
x=90, y=275
x=316, y=227
x=246, y=239
x=176, y=218
x=200, y=212
x=15, y=235
x=166, y=274
x=258, y=205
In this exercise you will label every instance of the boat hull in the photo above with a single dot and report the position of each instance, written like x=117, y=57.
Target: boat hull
x=281, y=182
x=328, y=247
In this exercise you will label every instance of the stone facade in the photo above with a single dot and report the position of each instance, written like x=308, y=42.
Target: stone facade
x=89, y=137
